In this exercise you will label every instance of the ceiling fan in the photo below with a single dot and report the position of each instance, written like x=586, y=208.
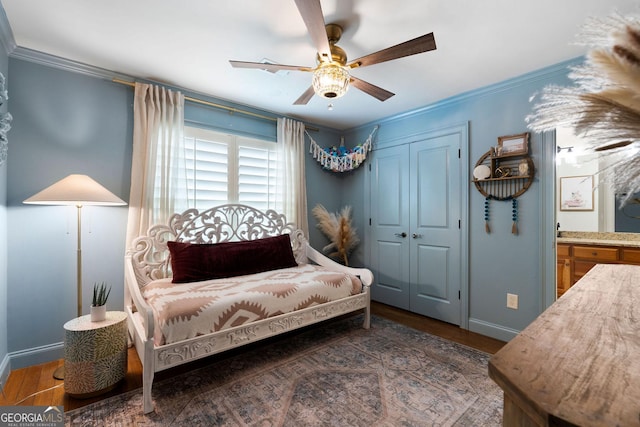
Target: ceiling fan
x=331, y=76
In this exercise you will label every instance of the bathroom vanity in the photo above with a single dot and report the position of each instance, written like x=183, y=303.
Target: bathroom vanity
x=579, y=252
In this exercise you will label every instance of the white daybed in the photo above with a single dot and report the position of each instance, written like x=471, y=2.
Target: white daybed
x=148, y=265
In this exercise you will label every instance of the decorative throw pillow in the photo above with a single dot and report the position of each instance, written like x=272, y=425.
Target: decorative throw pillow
x=196, y=262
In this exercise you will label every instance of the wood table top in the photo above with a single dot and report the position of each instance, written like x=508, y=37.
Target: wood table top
x=578, y=363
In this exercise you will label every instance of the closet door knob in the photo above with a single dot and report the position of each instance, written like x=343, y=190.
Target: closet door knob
x=416, y=236
x=403, y=234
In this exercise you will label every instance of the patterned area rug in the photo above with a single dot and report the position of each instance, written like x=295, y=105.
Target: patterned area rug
x=333, y=374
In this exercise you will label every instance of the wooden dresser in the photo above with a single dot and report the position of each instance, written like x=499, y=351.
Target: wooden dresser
x=576, y=258
x=578, y=363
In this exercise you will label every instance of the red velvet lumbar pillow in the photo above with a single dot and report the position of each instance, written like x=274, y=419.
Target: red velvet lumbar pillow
x=195, y=262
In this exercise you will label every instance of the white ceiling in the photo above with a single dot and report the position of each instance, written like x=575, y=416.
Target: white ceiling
x=189, y=43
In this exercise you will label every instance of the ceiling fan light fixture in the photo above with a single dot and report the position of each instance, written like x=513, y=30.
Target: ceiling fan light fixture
x=331, y=80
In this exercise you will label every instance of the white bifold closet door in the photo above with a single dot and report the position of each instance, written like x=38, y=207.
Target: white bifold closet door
x=415, y=226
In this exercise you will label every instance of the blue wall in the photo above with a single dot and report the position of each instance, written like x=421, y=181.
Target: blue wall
x=67, y=122
x=500, y=262
x=70, y=122
x=63, y=123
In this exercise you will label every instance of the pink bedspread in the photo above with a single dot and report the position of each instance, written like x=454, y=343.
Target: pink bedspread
x=187, y=310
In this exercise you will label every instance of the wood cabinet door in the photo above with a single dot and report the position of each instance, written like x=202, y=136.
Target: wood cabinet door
x=563, y=276
x=580, y=268
x=563, y=268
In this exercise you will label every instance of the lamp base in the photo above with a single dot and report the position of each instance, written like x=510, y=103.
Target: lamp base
x=59, y=373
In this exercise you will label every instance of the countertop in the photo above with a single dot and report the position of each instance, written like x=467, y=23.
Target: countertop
x=597, y=238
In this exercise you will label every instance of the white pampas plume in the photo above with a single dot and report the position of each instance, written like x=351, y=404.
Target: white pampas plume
x=622, y=78
x=338, y=228
x=603, y=105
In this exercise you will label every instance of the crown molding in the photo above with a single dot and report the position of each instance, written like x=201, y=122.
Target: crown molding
x=58, y=62
x=52, y=61
x=509, y=84
x=89, y=70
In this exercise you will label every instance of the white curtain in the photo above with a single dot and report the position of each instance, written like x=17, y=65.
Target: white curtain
x=158, y=167
x=291, y=176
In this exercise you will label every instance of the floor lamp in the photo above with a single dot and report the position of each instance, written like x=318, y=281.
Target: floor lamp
x=76, y=190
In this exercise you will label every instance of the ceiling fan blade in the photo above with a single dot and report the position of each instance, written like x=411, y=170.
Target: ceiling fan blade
x=418, y=45
x=311, y=12
x=305, y=97
x=373, y=90
x=268, y=67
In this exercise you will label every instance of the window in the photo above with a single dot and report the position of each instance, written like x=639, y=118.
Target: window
x=223, y=168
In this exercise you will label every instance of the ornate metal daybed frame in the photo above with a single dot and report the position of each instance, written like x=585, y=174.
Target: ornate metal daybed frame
x=148, y=260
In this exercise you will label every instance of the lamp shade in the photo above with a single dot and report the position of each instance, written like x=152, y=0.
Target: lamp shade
x=75, y=190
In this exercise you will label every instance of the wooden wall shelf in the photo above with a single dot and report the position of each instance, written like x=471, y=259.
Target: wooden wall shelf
x=505, y=187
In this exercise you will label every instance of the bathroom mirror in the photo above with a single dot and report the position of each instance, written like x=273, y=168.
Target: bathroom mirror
x=595, y=212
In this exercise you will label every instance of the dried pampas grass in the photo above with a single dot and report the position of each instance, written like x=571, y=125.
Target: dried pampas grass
x=337, y=227
x=603, y=105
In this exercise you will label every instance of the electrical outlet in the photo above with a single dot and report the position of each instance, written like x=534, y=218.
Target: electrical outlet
x=512, y=301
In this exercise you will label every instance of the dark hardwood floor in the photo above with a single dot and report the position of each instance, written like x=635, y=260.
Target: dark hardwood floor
x=35, y=385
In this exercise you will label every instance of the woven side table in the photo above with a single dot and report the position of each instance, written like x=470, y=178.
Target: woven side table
x=95, y=354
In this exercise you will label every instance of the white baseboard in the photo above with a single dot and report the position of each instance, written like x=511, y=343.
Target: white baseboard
x=36, y=355
x=492, y=330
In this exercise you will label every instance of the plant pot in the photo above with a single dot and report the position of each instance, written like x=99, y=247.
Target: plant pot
x=98, y=313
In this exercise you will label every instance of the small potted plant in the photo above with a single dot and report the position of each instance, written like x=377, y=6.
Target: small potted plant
x=99, y=302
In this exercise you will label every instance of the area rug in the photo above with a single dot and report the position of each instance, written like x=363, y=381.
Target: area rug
x=332, y=374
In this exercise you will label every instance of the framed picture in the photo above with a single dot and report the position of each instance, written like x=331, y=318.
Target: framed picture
x=513, y=145
x=576, y=193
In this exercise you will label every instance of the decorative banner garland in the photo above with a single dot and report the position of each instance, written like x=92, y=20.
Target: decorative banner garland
x=340, y=159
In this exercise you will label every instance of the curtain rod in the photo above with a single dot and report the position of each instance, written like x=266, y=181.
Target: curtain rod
x=213, y=104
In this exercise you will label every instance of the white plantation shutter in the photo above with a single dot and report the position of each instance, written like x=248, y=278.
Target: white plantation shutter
x=257, y=176
x=224, y=168
x=207, y=171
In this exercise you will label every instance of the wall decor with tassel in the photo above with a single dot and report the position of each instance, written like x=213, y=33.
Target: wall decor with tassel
x=504, y=173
